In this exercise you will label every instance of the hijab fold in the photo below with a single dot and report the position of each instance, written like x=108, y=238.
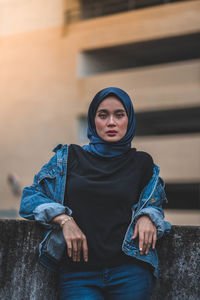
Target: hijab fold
x=99, y=147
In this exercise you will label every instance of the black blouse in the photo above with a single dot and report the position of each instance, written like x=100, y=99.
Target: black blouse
x=101, y=192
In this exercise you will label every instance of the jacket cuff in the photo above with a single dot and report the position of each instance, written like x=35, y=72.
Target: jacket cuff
x=156, y=217
x=44, y=213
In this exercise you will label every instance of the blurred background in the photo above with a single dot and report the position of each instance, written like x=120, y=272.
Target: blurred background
x=56, y=54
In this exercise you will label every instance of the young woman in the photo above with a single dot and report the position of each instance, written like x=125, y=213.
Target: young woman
x=102, y=207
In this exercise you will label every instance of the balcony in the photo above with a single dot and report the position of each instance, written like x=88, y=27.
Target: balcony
x=89, y=9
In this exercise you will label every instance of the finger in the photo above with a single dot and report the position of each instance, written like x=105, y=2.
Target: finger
x=154, y=239
x=149, y=242
x=74, y=250
x=69, y=247
x=135, y=232
x=85, y=249
x=79, y=244
x=141, y=242
x=145, y=244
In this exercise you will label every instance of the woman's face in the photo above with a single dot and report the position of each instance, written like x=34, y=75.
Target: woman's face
x=111, y=120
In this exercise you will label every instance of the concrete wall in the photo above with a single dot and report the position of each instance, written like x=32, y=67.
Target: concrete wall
x=159, y=21
x=18, y=16
x=21, y=276
x=154, y=87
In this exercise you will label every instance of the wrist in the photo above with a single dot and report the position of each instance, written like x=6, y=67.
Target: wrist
x=61, y=219
x=65, y=220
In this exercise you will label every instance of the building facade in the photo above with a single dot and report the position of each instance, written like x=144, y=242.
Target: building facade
x=55, y=55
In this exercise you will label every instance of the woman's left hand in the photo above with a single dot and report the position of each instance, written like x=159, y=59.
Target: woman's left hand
x=147, y=234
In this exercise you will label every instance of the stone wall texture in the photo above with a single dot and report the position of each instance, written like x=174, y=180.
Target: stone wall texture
x=22, y=277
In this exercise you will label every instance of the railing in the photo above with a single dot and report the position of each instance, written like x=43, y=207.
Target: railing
x=94, y=8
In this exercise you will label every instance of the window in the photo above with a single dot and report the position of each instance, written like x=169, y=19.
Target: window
x=183, y=195
x=141, y=54
x=172, y=121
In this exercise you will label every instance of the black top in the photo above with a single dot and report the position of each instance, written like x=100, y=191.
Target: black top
x=101, y=192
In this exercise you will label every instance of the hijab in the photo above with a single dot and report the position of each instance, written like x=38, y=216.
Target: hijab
x=99, y=147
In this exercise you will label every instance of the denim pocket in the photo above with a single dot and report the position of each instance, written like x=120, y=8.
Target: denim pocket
x=46, y=180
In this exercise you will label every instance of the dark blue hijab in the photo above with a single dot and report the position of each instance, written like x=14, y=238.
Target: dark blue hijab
x=98, y=146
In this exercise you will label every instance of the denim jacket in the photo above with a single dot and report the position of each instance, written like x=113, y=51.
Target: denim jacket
x=44, y=200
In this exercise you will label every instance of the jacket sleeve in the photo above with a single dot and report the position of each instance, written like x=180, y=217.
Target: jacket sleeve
x=38, y=200
x=153, y=209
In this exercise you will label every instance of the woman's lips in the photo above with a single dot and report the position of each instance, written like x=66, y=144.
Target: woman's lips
x=111, y=132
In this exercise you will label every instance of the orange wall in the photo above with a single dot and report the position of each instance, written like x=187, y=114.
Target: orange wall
x=41, y=95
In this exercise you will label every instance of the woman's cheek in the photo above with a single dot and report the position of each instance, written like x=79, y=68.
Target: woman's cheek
x=99, y=126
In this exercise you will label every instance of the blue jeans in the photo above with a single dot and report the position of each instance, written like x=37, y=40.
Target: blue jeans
x=126, y=282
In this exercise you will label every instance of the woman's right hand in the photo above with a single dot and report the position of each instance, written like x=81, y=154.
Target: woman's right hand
x=75, y=239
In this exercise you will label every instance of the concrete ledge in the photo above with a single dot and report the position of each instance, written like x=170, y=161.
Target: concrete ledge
x=22, y=277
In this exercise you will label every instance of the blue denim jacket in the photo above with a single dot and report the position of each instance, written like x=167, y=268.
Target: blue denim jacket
x=44, y=199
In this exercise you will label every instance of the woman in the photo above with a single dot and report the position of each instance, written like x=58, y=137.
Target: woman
x=101, y=204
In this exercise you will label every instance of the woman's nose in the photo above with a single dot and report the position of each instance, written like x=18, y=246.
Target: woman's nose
x=111, y=120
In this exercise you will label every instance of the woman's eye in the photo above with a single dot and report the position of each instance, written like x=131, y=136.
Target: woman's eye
x=120, y=115
x=102, y=116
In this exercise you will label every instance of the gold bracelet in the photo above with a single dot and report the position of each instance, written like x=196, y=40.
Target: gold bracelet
x=68, y=218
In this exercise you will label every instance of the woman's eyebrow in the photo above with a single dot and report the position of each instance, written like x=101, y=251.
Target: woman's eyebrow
x=120, y=110
x=106, y=111
x=102, y=110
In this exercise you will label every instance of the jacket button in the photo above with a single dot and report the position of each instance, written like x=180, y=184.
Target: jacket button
x=61, y=173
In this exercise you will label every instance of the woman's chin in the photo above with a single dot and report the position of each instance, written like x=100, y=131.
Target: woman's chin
x=112, y=139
